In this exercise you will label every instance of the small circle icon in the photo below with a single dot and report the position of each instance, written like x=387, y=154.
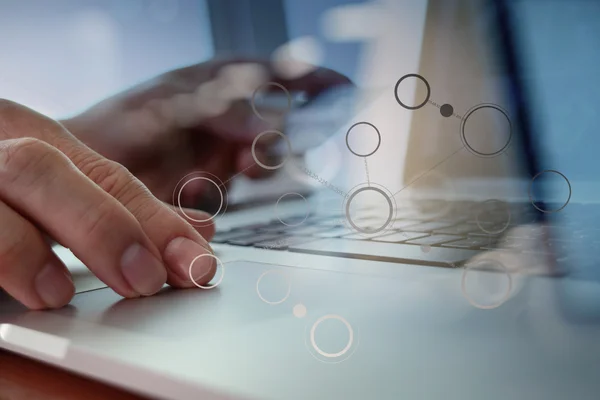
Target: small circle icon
x=299, y=310
x=275, y=285
x=446, y=110
x=427, y=87
x=544, y=184
x=382, y=222
x=493, y=216
x=192, y=186
x=286, y=220
x=194, y=280
x=331, y=339
x=257, y=95
x=486, y=284
x=486, y=130
x=360, y=126
x=288, y=147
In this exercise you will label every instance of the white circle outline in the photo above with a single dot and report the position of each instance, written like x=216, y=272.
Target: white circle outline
x=506, y=225
x=464, y=284
x=280, y=86
x=195, y=173
x=287, y=157
x=318, y=349
x=220, y=279
x=305, y=217
x=179, y=200
x=275, y=271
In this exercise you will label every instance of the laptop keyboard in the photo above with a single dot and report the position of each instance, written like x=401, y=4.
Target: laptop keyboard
x=417, y=237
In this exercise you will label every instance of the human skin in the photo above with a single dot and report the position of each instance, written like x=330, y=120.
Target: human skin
x=99, y=183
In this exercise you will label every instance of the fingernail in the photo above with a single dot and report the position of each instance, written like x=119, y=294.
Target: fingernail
x=54, y=286
x=142, y=270
x=181, y=253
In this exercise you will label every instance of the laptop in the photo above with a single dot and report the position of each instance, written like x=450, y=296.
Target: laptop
x=461, y=262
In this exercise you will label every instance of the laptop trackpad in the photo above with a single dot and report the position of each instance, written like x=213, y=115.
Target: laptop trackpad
x=252, y=292
x=270, y=331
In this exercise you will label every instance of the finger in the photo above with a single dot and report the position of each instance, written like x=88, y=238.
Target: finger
x=207, y=231
x=312, y=83
x=230, y=84
x=176, y=240
x=42, y=184
x=29, y=270
x=315, y=82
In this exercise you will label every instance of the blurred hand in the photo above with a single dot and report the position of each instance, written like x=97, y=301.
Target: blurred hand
x=193, y=119
x=53, y=184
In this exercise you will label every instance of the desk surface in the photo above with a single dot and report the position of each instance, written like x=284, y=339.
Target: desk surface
x=22, y=378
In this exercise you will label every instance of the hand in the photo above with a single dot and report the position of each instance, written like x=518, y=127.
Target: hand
x=52, y=184
x=192, y=119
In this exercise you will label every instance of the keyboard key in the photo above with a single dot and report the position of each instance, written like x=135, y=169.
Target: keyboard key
x=428, y=226
x=360, y=236
x=526, y=231
x=284, y=243
x=473, y=242
x=333, y=233
x=331, y=222
x=399, y=237
x=460, y=229
x=391, y=252
x=252, y=227
x=434, y=240
x=308, y=230
x=520, y=245
x=405, y=223
x=255, y=238
x=275, y=228
x=222, y=237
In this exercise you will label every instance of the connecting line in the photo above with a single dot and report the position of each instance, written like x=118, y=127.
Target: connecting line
x=438, y=106
x=322, y=181
x=239, y=173
x=429, y=170
x=367, y=170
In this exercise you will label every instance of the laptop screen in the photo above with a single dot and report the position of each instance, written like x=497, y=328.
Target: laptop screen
x=525, y=123
x=559, y=49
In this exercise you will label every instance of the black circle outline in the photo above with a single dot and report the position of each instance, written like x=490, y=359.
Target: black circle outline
x=368, y=231
x=464, y=138
x=531, y=185
x=279, y=85
x=378, y=136
x=426, y=97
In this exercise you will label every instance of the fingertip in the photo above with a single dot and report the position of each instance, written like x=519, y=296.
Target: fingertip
x=54, y=286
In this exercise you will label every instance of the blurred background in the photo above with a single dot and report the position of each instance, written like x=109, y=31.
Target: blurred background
x=62, y=56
